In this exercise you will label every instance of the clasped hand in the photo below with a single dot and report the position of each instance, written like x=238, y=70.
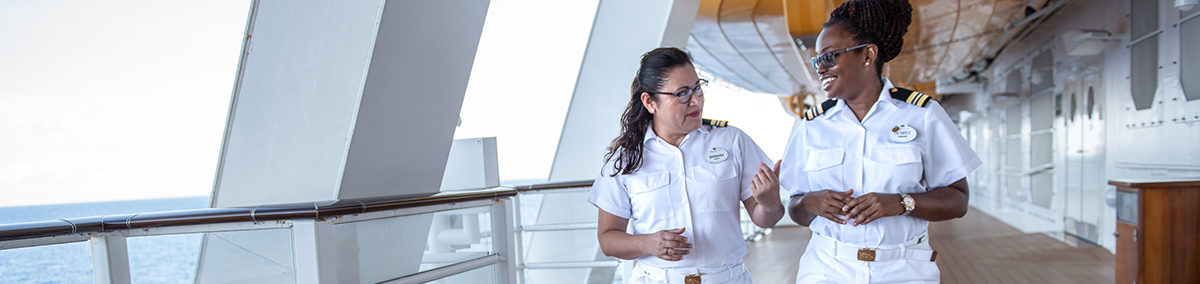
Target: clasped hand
x=863, y=209
x=669, y=245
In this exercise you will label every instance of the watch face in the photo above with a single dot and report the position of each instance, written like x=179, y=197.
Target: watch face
x=909, y=202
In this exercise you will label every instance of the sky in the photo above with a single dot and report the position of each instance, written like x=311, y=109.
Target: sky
x=118, y=100
x=110, y=100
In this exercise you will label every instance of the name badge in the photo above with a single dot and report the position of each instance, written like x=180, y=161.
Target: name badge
x=903, y=134
x=716, y=155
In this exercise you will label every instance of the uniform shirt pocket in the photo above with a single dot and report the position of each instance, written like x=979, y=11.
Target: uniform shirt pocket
x=897, y=168
x=896, y=155
x=824, y=159
x=716, y=187
x=649, y=195
x=714, y=173
x=822, y=169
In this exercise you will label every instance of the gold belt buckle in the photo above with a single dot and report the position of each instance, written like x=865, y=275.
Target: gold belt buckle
x=692, y=278
x=866, y=254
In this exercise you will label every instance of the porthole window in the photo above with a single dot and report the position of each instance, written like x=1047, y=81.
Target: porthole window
x=1071, y=110
x=1090, y=103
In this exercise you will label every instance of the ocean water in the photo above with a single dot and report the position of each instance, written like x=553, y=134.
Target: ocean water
x=158, y=259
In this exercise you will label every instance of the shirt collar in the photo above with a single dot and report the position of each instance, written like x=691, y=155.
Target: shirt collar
x=885, y=95
x=651, y=135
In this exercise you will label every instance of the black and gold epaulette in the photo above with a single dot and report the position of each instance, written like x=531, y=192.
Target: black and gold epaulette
x=817, y=110
x=714, y=122
x=909, y=96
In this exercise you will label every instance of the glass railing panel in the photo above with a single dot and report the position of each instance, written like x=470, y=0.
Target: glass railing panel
x=164, y=259
x=458, y=235
x=540, y=276
x=60, y=263
x=486, y=274
x=477, y=276
x=379, y=250
x=560, y=232
x=260, y=256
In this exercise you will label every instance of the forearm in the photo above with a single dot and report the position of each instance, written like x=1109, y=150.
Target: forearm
x=798, y=213
x=767, y=214
x=943, y=203
x=622, y=245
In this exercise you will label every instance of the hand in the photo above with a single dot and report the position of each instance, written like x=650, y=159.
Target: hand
x=827, y=203
x=765, y=185
x=872, y=206
x=669, y=245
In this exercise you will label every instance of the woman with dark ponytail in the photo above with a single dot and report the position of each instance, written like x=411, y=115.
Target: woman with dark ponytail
x=679, y=182
x=877, y=163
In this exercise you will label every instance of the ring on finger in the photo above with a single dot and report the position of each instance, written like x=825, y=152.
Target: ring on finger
x=667, y=252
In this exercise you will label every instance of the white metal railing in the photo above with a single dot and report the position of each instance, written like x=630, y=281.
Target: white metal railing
x=579, y=207
x=464, y=235
x=313, y=242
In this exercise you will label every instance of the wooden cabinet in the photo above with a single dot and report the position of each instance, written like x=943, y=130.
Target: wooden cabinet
x=1158, y=231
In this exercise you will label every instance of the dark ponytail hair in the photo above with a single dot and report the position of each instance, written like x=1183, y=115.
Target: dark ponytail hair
x=879, y=22
x=652, y=75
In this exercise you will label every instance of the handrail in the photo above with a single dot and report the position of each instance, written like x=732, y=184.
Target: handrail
x=555, y=185
x=289, y=211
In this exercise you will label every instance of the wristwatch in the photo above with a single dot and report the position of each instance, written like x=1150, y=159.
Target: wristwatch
x=908, y=202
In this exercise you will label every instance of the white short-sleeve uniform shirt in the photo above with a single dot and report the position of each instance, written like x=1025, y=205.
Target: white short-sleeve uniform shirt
x=691, y=187
x=835, y=151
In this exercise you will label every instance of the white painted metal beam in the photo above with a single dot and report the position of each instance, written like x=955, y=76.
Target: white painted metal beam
x=110, y=259
x=313, y=251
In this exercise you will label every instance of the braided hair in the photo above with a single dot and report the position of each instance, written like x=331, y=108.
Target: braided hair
x=879, y=22
x=651, y=75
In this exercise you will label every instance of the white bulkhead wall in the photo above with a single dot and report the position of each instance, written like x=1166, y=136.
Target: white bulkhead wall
x=340, y=100
x=1094, y=139
x=346, y=100
x=622, y=32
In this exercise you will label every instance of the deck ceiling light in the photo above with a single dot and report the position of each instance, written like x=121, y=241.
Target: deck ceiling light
x=1186, y=5
x=1088, y=42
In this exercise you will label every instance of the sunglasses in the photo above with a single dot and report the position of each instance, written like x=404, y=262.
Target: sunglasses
x=827, y=59
x=686, y=95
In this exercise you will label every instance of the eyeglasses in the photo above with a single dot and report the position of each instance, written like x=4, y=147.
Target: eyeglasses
x=827, y=59
x=686, y=95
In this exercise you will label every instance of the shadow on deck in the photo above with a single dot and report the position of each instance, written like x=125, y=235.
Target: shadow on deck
x=974, y=249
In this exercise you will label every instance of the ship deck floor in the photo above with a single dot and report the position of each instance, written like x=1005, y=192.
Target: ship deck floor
x=974, y=249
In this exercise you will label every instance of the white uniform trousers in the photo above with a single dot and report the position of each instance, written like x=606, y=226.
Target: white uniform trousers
x=826, y=260
x=734, y=274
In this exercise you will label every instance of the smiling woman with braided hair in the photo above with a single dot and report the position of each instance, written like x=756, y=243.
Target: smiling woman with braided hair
x=877, y=163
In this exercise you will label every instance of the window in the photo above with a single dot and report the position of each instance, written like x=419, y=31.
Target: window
x=1189, y=59
x=1013, y=84
x=1144, y=18
x=1042, y=138
x=1041, y=76
x=1143, y=76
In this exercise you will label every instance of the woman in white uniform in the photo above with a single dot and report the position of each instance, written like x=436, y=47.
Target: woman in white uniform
x=679, y=182
x=876, y=163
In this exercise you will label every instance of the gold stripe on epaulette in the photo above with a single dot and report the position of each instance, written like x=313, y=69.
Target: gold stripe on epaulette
x=715, y=122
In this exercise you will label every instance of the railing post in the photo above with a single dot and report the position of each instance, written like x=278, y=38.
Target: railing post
x=110, y=259
x=313, y=250
x=518, y=235
x=503, y=226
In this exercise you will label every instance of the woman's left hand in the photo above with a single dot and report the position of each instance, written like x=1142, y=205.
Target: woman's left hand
x=765, y=186
x=872, y=206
